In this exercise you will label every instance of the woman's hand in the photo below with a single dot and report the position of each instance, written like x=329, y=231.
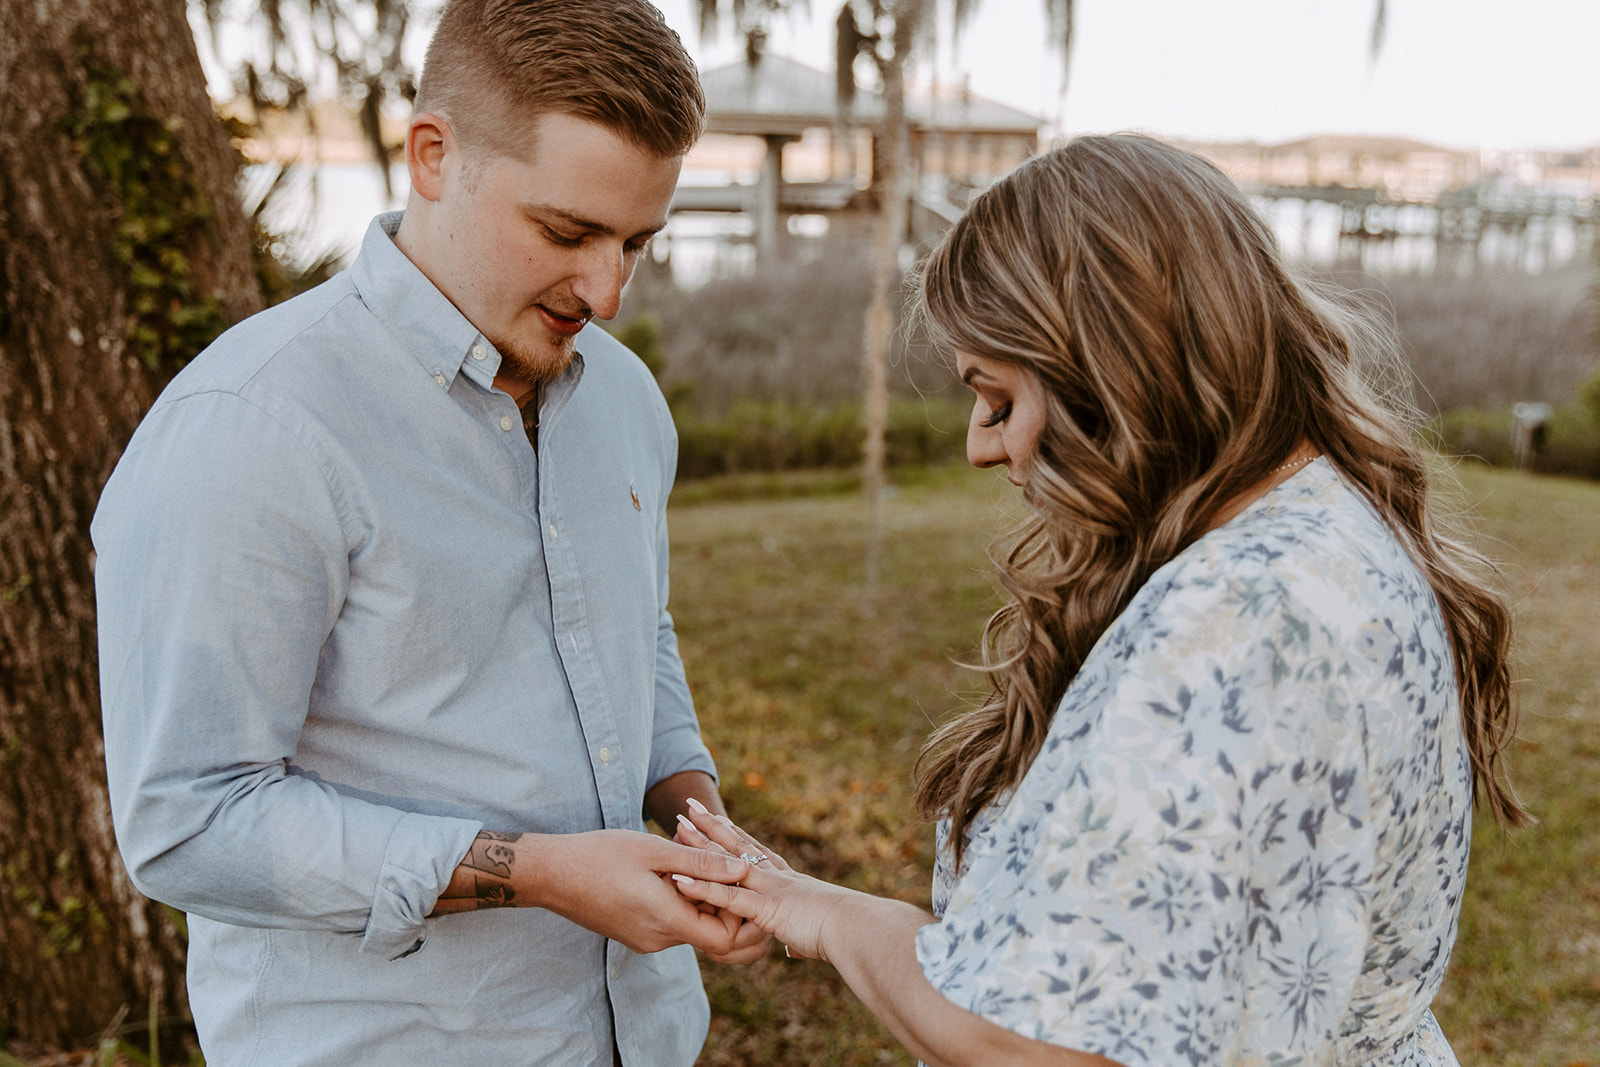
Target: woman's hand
x=790, y=906
x=873, y=943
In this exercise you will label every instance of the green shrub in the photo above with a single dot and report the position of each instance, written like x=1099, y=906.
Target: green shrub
x=1572, y=446
x=774, y=435
x=1589, y=394
x=642, y=334
x=1474, y=433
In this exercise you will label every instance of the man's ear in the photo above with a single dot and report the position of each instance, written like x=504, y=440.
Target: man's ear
x=429, y=139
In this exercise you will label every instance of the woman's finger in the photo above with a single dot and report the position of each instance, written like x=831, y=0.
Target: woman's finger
x=733, y=838
x=689, y=834
x=753, y=844
x=730, y=898
x=720, y=830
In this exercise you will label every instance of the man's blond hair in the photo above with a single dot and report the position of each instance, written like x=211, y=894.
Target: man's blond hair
x=495, y=66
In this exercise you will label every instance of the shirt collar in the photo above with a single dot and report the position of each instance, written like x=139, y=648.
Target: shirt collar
x=422, y=319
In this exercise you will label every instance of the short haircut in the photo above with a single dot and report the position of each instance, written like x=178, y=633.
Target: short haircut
x=494, y=66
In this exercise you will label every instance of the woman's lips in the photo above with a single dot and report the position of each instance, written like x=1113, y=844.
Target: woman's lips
x=562, y=324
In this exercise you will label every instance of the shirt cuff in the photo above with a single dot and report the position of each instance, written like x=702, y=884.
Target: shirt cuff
x=422, y=853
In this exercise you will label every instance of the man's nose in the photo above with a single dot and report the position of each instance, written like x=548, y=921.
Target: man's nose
x=599, y=286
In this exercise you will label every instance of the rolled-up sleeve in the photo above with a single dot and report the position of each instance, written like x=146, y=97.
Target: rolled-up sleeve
x=221, y=568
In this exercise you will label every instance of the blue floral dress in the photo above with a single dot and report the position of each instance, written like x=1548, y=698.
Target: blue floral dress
x=1246, y=836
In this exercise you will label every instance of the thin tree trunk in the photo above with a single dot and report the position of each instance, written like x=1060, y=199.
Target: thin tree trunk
x=79, y=943
x=891, y=229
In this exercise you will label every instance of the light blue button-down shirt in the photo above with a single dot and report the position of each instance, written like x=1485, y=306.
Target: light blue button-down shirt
x=348, y=618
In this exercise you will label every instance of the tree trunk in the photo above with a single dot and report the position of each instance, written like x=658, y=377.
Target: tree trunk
x=98, y=304
x=891, y=231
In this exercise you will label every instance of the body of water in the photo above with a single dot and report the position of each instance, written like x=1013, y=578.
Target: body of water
x=332, y=212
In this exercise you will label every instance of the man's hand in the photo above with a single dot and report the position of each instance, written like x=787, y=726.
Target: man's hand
x=666, y=803
x=614, y=882
x=789, y=905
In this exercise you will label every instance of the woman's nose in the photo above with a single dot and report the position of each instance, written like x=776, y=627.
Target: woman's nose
x=984, y=446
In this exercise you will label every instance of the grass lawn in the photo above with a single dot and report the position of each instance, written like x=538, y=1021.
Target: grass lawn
x=1524, y=983
x=816, y=694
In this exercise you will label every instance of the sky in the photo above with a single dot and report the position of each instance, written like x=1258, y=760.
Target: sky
x=1496, y=74
x=1493, y=74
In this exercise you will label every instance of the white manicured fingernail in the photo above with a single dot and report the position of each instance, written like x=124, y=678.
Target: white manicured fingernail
x=683, y=820
x=698, y=807
x=684, y=878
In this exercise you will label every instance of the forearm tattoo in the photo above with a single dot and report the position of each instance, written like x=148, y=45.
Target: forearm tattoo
x=483, y=878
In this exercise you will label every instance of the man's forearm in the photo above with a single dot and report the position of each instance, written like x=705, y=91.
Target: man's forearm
x=610, y=881
x=666, y=800
x=486, y=876
x=496, y=869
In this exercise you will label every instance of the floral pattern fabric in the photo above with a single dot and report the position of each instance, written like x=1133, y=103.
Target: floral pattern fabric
x=1246, y=836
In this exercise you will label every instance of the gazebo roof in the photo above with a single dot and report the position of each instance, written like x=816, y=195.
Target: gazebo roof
x=958, y=111
x=783, y=96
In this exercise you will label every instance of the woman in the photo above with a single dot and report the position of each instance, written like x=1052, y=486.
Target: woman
x=1217, y=806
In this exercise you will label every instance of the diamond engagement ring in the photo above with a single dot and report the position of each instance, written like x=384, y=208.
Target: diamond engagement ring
x=752, y=858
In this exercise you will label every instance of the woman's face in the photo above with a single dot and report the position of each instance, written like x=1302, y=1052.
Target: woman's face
x=1007, y=416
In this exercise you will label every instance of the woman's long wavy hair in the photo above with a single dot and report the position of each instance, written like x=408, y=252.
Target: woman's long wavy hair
x=1181, y=364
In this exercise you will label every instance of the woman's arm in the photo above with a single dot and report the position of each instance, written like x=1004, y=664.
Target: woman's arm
x=872, y=943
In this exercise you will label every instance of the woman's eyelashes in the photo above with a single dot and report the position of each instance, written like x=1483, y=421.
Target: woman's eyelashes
x=999, y=415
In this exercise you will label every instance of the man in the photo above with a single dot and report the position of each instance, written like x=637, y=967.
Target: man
x=374, y=658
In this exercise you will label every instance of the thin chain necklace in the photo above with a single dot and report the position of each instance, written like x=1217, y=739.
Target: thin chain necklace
x=1293, y=463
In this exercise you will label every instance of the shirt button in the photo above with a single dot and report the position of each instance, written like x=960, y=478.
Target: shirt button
x=615, y=970
x=438, y=376
x=552, y=531
x=478, y=352
x=605, y=754
x=505, y=422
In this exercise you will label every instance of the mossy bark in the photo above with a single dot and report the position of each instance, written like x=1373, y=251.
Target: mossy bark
x=79, y=942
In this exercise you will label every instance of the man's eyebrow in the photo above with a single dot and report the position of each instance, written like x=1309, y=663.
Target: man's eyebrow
x=572, y=218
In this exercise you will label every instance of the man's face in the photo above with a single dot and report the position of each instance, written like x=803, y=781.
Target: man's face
x=530, y=248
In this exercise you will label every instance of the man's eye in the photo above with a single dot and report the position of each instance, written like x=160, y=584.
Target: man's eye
x=999, y=415
x=562, y=239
